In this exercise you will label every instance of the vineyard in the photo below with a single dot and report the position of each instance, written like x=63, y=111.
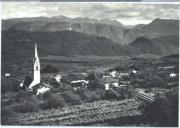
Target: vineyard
x=84, y=114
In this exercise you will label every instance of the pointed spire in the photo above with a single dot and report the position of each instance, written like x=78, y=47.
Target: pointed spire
x=36, y=54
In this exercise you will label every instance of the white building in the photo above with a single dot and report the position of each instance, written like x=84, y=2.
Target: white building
x=7, y=74
x=42, y=90
x=58, y=78
x=113, y=73
x=108, y=85
x=172, y=75
x=21, y=84
x=36, y=70
x=134, y=71
x=80, y=81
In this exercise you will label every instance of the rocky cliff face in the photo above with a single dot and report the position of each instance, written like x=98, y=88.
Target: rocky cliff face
x=110, y=31
x=108, y=28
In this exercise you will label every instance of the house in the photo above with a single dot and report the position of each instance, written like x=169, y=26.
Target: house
x=124, y=82
x=134, y=71
x=42, y=90
x=21, y=84
x=7, y=74
x=106, y=76
x=77, y=84
x=142, y=94
x=73, y=77
x=113, y=73
x=80, y=81
x=58, y=78
x=172, y=75
x=109, y=85
x=123, y=86
x=84, y=74
x=109, y=82
x=124, y=74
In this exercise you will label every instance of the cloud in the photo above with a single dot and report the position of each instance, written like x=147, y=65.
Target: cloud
x=127, y=13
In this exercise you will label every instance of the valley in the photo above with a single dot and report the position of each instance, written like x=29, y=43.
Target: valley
x=93, y=72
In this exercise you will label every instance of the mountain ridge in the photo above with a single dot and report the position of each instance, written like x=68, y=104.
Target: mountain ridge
x=120, y=34
x=69, y=43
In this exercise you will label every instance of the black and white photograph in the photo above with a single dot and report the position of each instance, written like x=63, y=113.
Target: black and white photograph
x=89, y=64
x=172, y=1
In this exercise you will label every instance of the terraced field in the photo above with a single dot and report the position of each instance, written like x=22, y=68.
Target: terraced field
x=84, y=114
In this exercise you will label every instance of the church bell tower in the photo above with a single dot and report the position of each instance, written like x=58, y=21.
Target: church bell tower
x=36, y=69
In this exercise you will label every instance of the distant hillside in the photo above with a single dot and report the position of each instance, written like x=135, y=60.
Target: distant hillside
x=64, y=43
x=155, y=29
x=112, y=29
x=173, y=56
x=164, y=45
x=70, y=43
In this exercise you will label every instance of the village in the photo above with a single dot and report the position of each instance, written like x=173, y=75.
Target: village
x=139, y=80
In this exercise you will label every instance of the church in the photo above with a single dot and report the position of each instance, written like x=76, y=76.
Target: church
x=36, y=70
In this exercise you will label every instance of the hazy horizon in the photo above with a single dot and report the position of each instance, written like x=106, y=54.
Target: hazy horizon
x=125, y=13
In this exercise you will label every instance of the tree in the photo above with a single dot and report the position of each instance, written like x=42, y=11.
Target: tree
x=27, y=81
x=15, y=86
x=163, y=111
x=49, y=69
x=53, y=101
x=72, y=98
x=91, y=76
x=54, y=83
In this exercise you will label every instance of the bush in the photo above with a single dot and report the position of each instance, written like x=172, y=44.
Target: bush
x=27, y=81
x=47, y=95
x=72, y=98
x=9, y=84
x=93, y=84
x=86, y=95
x=26, y=102
x=49, y=69
x=15, y=86
x=53, y=101
x=54, y=83
x=6, y=113
x=112, y=94
x=91, y=76
x=22, y=96
x=66, y=87
x=100, y=94
x=5, y=85
x=26, y=106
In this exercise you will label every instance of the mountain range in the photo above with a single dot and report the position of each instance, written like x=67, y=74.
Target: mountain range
x=85, y=36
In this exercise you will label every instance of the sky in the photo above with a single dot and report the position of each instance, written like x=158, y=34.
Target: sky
x=126, y=13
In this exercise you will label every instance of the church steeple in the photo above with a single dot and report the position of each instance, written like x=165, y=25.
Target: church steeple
x=36, y=69
x=36, y=54
x=36, y=60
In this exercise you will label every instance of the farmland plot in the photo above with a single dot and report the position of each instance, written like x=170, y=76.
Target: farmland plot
x=84, y=114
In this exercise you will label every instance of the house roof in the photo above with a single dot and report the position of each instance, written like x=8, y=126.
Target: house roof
x=109, y=80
